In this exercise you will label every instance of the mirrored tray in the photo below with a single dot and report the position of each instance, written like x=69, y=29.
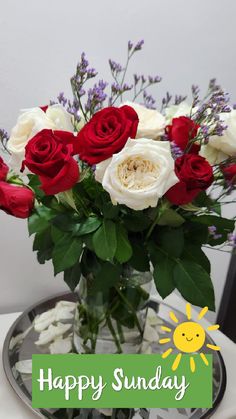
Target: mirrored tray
x=20, y=345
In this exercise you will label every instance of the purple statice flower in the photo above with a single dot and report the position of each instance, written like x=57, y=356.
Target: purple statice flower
x=62, y=99
x=136, y=79
x=234, y=106
x=166, y=100
x=74, y=109
x=149, y=101
x=139, y=45
x=175, y=150
x=96, y=97
x=232, y=239
x=130, y=45
x=115, y=67
x=213, y=232
x=195, y=93
x=153, y=80
x=143, y=79
x=4, y=137
x=179, y=99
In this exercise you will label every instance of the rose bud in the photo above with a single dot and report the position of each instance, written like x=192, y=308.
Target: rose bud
x=16, y=200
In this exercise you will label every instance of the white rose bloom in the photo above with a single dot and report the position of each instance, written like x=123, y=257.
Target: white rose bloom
x=60, y=117
x=140, y=174
x=29, y=123
x=221, y=147
x=174, y=111
x=151, y=122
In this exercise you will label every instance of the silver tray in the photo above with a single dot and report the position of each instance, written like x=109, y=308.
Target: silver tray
x=21, y=383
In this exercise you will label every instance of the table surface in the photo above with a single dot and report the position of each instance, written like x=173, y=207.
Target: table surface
x=13, y=408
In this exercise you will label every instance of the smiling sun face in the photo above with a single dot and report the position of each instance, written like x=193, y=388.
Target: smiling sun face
x=188, y=337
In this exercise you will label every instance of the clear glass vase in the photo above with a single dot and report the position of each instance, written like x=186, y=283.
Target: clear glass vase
x=112, y=320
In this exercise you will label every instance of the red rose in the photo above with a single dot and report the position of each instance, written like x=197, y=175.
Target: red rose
x=181, y=131
x=49, y=155
x=229, y=172
x=44, y=108
x=3, y=169
x=16, y=200
x=106, y=133
x=195, y=175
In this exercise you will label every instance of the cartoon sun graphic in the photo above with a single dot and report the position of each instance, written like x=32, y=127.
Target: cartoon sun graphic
x=188, y=337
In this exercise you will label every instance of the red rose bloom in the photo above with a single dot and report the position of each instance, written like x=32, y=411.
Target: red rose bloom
x=229, y=172
x=16, y=200
x=106, y=133
x=44, y=108
x=195, y=175
x=3, y=169
x=49, y=155
x=181, y=131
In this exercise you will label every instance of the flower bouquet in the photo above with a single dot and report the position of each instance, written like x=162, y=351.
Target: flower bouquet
x=117, y=193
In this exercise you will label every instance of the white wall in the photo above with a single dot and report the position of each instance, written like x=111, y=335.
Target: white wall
x=186, y=42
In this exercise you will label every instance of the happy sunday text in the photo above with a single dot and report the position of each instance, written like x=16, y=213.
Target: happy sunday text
x=81, y=383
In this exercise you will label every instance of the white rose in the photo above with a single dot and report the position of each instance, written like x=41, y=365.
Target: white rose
x=151, y=122
x=60, y=117
x=221, y=147
x=29, y=123
x=139, y=174
x=174, y=111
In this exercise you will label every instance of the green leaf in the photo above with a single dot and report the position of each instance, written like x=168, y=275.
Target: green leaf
x=172, y=241
x=35, y=184
x=171, y=218
x=136, y=221
x=124, y=249
x=194, y=253
x=163, y=276
x=104, y=240
x=139, y=259
x=90, y=264
x=66, y=222
x=36, y=224
x=88, y=226
x=39, y=220
x=196, y=233
x=57, y=234
x=66, y=253
x=107, y=276
x=194, y=283
x=72, y=276
x=44, y=245
x=224, y=226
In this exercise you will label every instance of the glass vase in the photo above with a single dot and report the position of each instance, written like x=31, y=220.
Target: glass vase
x=112, y=320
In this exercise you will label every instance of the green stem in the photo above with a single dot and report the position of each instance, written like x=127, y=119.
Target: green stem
x=160, y=212
x=112, y=330
x=131, y=309
x=120, y=332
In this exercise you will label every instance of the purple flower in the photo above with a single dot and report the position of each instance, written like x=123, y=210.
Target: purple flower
x=175, y=150
x=62, y=99
x=232, y=239
x=139, y=45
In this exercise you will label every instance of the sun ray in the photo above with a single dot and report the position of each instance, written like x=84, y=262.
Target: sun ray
x=167, y=353
x=213, y=347
x=164, y=340
x=173, y=317
x=176, y=362
x=166, y=329
x=202, y=312
x=192, y=364
x=213, y=327
x=188, y=311
x=205, y=360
